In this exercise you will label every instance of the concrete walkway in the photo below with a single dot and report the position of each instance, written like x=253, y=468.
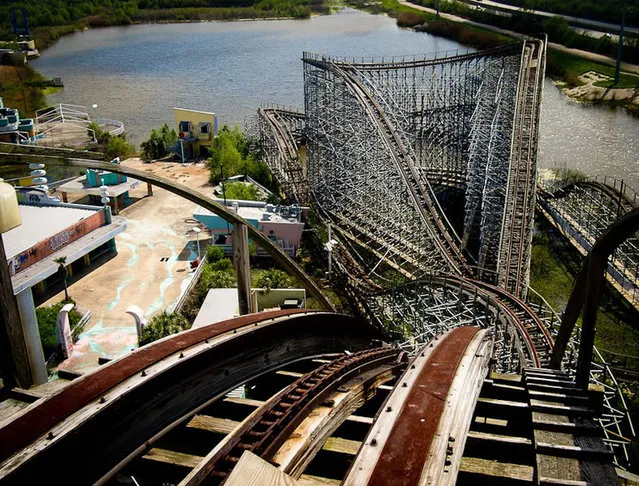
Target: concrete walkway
x=151, y=270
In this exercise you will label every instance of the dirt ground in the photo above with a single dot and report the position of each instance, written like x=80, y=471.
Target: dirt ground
x=588, y=91
x=151, y=269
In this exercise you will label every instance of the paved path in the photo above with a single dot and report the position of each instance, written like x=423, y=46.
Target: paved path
x=632, y=68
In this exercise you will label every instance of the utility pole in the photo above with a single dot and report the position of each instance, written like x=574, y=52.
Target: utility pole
x=620, y=46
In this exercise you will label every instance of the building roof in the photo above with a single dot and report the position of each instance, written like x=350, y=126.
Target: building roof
x=258, y=211
x=40, y=223
x=81, y=186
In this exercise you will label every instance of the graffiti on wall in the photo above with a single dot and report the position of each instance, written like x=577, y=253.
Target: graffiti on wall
x=49, y=246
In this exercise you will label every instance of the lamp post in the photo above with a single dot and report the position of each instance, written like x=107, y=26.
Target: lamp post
x=197, y=231
x=620, y=45
x=95, y=111
x=329, y=248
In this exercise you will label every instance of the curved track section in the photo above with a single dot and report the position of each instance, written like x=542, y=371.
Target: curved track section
x=119, y=406
x=279, y=130
x=419, y=438
x=473, y=115
x=582, y=211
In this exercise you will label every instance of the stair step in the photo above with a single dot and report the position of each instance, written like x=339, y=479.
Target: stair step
x=551, y=381
x=550, y=407
x=574, y=451
x=544, y=371
x=558, y=397
x=566, y=390
x=556, y=424
x=517, y=473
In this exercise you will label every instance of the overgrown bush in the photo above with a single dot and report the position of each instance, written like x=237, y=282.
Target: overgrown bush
x=163, y=325
x=223, y=265
x=409, y=19
x=47, y=318
x=214, y=253
x=157, y=146
x=231, y=154
x=119, y=147
x=215, y=279
x=241, y=191
x=273, y=279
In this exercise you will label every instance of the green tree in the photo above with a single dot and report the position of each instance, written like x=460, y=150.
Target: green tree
x=273, y=279
x=47, y=318
x=163, y=325
x=158, y=144
x=119, y=147
x=241, y=191
x=214, y=253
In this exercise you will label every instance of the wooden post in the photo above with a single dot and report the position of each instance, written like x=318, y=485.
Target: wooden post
x=149, y=189
x=15, y=366
x=242, y=267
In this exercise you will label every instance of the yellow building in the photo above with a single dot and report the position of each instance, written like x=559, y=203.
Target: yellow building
x=196, y=130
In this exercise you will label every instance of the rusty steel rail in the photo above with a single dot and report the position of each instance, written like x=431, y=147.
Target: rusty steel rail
x=269, y=428
x=410, y=439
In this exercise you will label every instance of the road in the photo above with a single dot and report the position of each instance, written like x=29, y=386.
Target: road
x=595, y=24
x=591, y=56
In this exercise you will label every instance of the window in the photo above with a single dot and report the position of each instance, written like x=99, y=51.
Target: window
x=185, y=126
x=205, y=128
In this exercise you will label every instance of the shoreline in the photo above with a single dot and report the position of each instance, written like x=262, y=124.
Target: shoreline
x=571, y=81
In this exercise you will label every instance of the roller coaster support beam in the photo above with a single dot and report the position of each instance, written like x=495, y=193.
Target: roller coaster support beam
x=242, y=268
x=8, y=158
x=587, y=293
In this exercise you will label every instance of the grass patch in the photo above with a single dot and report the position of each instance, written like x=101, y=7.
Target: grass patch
x=554, y=265
x=564, y=65
x=18, y=91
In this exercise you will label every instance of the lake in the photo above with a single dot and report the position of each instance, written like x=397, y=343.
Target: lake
x=137, y=74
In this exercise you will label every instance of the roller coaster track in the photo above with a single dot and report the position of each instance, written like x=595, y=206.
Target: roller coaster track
x=282, y=152
x=582, y=211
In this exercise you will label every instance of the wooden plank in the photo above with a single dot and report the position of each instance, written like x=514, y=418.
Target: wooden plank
x=386, y=387
x=213, y=424
x=505, y=377
x=310, y=480
x=245, y=401
x=360, y=419
x=13, y=345
x=292, y=374
x=552, y=407
x=9, y=408
x=502, y=403
x=496, y=469
x=251, y=470
x=498, y=438
x=342, y=446
x=491, y=421
x=242, y=268
x=172, y=457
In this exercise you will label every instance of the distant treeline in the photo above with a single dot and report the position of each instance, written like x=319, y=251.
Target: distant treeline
x=556, y=28
x=92, y=13
x=602, y=10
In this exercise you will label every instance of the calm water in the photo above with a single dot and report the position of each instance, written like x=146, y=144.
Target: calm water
x=138, y=74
